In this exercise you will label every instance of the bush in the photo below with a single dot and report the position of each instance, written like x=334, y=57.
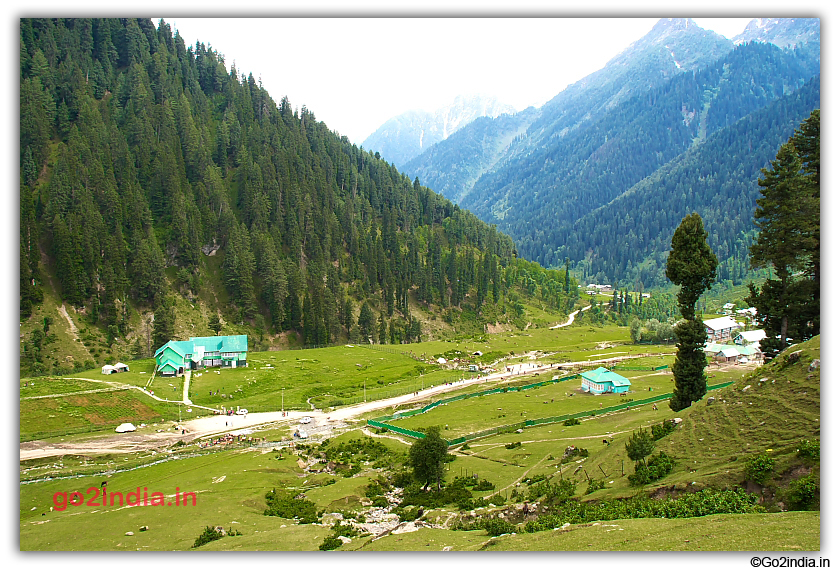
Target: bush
x=330, y=543
x=408, y=514
x=699, y=504
x=284, y=505
x=659, y=431
x=209, y=535
x=809, y=449
x=759, y=468
x=495, y=527
x=497, y=500
x=595, y=485
x=484, y=485
x=802, y=493
x=656, y=468
x=513, y=445
x=572, y=422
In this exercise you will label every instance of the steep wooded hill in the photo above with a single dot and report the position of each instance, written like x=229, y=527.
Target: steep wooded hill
x=537, y=196
x=630, y=236
x=151, y=171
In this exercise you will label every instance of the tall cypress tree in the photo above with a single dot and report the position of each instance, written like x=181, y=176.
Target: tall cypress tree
x=691, y=265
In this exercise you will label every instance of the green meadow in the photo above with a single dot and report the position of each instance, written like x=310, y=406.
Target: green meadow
x=770, y=410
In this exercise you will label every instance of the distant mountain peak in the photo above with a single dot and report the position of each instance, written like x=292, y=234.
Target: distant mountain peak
x=782, y=32
x=405, y=136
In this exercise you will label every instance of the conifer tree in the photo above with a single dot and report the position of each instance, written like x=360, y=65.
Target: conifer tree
x=691, y=265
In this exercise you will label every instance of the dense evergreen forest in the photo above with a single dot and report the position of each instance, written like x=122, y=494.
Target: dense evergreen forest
x=627, y=237
x=565, y=198
x=142, y=157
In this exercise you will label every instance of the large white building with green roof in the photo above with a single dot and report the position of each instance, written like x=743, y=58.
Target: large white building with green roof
x=603, y=381
x=177, y=356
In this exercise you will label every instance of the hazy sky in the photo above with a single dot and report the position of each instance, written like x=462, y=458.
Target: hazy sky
x=356, y=73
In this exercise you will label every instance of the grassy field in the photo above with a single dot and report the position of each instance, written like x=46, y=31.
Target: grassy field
x=99, y=411
x=319, y=378
x=795, y=531
x=771, y=410
x=476, y=414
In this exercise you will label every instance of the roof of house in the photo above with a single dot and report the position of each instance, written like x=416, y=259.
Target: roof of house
x=229, y=343
x=175, y=345
x=753, y=336
x=198, y=345
x=721, y=323
x=730, y=350
x=601, y=375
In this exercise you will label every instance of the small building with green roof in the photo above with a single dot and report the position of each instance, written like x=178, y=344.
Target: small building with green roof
x=177, y=356
x=603, y=381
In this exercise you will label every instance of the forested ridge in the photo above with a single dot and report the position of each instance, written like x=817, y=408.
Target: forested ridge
x=141, y=156
x=544, y=194
x=627, y=236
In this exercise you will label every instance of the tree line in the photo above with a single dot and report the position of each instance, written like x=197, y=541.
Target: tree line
x=140, y=156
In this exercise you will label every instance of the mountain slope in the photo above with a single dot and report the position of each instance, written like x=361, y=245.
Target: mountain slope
x=405, y=136
x=158, y=191
x=629, y=237
x=538, y=196
x=671, y=47
x=468, y=153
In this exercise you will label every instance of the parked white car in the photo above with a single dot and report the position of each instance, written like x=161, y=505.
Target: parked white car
x=242, y=412
x=305, y=420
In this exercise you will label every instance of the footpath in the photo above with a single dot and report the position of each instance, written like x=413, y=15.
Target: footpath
x=220, y=424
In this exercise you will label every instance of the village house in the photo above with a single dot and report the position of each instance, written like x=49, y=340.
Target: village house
x=720, y=329
x=750, y=337
x=732, y=353
x=601, y=381
x=175, y=357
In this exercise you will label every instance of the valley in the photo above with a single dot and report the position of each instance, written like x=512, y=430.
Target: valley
x=589, y=326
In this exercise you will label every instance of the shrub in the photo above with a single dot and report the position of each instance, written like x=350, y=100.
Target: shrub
x=408, y=514
x=572, y=422
x=759, y=468
x=513, y=445
x=595, y=485
x=209, y=535
x=656, y=468
x=495, y=527
x=484, y=485
x=699, y=504
x=802, y=493
x=330, y=543
x=497, y=500
x=284, y=505
x=809, y=449
x=659, y=431
x=639, y=446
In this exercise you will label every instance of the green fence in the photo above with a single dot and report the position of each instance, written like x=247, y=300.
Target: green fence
x=640, y=368
x=381, y=422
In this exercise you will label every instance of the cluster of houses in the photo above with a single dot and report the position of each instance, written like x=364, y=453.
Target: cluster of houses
x=726, y=342
x=177, y=356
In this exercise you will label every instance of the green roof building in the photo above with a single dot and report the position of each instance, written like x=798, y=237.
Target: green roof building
x=601, y=381
x=177, y=356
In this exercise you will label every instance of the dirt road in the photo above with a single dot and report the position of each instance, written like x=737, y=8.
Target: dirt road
x=150, y=438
